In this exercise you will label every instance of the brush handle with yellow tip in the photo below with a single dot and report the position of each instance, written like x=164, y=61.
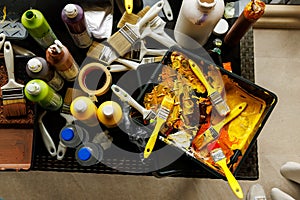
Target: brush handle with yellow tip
x=212, y=133
x=220, y=159
x=215, y=97
x=128, y=6
x=162, y=115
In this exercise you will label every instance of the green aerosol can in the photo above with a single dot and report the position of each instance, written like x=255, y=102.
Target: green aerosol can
x=37, y=26
x=40, y=92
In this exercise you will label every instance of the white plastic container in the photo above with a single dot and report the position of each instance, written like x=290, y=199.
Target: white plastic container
x=196, y=21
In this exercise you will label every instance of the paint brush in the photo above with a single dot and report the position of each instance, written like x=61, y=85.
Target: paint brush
x=132, y=18
x=125, y=97
x=161, y=117
x=212, y=133
x=219, y=158
x=102, y=53
x=215, y=97
x=128, y=6
x=125, y=37
x=14, y=103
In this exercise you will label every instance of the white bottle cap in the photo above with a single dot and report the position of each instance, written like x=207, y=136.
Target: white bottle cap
x=33, y=88
x=108, y=111
x=71, y=10
x=221, y=27
x=80, y=106
x=207, y=3
x=34, y=65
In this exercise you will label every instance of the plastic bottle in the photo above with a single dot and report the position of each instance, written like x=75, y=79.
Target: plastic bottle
x=73, y=135
x=89, y=154
x=38, y=27
x=196, y=21
x=39, y=91
x=74, y=19
x=109, y=114
x=59, y=56
x=38, y=68
x=84, y=109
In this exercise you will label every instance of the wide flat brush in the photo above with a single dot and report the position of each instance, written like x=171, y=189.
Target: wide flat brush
x=215, y=97
x=162, y=115
x=220, y=159
x=132, y=18
x=14, y=103
x=125, y=37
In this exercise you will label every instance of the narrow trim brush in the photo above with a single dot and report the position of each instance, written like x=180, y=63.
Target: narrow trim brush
x=125, y=37
x=215, y=97
x=14, y=103
x=212, y=133
x=162, y=115
x=219, y=158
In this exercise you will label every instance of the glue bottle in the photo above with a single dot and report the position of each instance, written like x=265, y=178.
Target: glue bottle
x=84, y=109
x=59, y=56
x=74, y=19
x=89, y=154
x=73, y=135
x=109, y=114
x=38, y=68
x=39, y=91
x=196, y=21
x=38, y=27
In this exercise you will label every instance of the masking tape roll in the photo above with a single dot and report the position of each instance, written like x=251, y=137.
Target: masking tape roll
x=88, y=70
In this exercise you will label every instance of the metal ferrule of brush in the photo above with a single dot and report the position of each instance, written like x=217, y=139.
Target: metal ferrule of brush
x=213, y=133
x=12, y=93
x=130, y=35
x=219, y=103
x=217, y=154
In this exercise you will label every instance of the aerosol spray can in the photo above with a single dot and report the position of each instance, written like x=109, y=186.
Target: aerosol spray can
x=59, y=56
x=73, y=135
x=38, y=27
x=38, y=68
x=84, y=109
x=89, y=154
x=39, y=91
x=74, y=19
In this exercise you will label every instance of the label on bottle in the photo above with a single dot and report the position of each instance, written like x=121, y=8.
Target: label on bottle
x=56, y=82
x=71, y=73
x=83, y=39
x=53, y=102
x=47, y=39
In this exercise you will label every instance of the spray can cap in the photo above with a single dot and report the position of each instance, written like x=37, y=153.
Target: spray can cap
x=108, y=111
x=71, y=10
x=33, y=88
x=67, y=134
x=34, y=65
x=84, y=153
x=80, y=105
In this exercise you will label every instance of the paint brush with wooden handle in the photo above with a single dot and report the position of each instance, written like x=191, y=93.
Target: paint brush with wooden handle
x=14, y=103
x=162, y=116
x=215, y=97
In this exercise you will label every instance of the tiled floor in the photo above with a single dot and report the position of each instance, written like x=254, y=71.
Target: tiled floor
x=277, y=68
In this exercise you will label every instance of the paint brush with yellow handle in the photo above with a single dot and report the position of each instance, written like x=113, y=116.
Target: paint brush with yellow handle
x=219, y=158
x=212, y=133
x=128, y=6
x=162, y=115
x=215, y=97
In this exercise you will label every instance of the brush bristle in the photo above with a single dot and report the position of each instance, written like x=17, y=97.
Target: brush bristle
x=127, y=18
x=14, y=107
x=142, y=12
x=95, y=50
x=122, y=40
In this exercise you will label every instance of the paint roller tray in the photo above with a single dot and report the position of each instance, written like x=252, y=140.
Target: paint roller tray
x=236, y=138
